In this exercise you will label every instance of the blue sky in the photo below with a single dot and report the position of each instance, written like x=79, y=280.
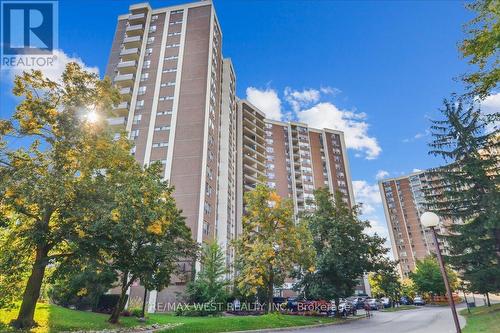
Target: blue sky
x=376, y=69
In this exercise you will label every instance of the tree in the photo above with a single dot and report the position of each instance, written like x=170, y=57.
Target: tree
x=408, y=288
x=468, y=193
x=271, y=244
x=148, y=237
x=385, y=282
x=481, y=47
x=210, y=284
x=344, y=251
x=427, y=277
x=50, y=190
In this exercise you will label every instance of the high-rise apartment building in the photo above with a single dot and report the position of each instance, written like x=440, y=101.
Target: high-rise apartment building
x=404, y=199
x=179, y=107
x=168, y=66
x=300, y=159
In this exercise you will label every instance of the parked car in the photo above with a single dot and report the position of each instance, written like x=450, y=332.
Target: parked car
x=292, y=303
x=405, y=300
x=418, y=301
x=374, y=303
x=347, y=308
x=386, y=301
x=358, y=302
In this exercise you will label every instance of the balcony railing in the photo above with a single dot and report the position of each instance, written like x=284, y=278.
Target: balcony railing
x=127, y=67
x=124, y=80
x=130, y=54
x=137, y=18
x=134, y=30
x=134, y=41
x=117, y=121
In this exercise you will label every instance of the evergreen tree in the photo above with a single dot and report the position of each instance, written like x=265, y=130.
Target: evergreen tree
x=210, y=284
x=468, y=192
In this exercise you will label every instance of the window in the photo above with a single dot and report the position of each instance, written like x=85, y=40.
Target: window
x=132, y=150
x=208, y=190
x=168, y=84
x=149, y=52
x=209, y=173
x=147, y=64
x=206, y=228
x=139, y=105
x=175, y=22
x=207, y=208
x=178, y=11
x=173, y=45
x=174, y=34
x=151, y=40
x=137, y=119
x=154, y=18
x=170, y=70
x=160, y=144
x=152, y=29
x=134, y=134
x=162, y=128
x=166, y=98
x=144, y=77
x=142, y=90
x=171, y=58
x=163, y=113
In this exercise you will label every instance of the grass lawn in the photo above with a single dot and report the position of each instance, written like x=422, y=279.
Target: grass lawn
x=482, y=319
x=401, y=308
x=51, y=318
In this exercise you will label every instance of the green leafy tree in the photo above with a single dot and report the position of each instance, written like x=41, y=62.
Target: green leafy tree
x=427, y=277
x=344, y=251
x=481, y=47
x=50, y=190
x=271, y=244
x=149, y=236
x=211, y=284
x=469, y=193
x=385, y=282
x=408, y=288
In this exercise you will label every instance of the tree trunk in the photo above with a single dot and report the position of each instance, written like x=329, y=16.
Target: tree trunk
x=270, y=291
x=143, y=313
x=337, y=310
x=488, y=299
x=32, y=291
x=115, y=315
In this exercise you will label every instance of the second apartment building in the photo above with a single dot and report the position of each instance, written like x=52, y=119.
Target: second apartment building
x=405, y=199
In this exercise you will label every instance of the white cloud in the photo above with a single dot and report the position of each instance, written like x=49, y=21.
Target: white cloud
x=416, y=170
x=327, y=115
x=61, y=59
x=368, y=195
x=381, y=174
x=330, y=91
x=298, y=99
x=491, y=105
x=265, y=100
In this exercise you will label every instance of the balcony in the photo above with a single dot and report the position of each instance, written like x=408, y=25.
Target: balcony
x=121, y=109
x=134, y=41
x=130, y=54
x=117, y=121
x=135, y=30
x=126, y=93
x=127, y=67
x=137, y=18
x=124, y=80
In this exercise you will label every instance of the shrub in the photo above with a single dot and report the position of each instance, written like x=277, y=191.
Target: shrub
x=107, y=302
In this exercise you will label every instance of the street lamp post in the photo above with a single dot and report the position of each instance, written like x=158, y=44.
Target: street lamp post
x=431, y=220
